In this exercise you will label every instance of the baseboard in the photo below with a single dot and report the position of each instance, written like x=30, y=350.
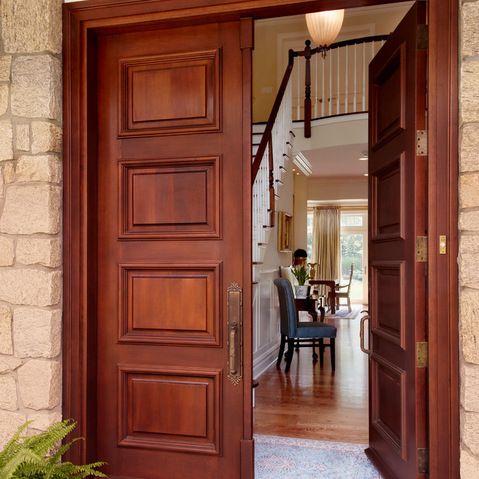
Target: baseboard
x=265, y=360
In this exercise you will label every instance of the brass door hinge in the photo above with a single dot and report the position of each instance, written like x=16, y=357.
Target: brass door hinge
x=423, y=461
x=421, y=249
x=421, y=142
x=421, y=354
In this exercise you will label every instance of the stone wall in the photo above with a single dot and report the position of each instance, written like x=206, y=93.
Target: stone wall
x=30, y=213
x=469, y=245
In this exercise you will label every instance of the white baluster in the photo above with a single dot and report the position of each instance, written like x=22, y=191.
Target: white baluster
x=298, y=102
x=330, y=101
x=337, y=79
x=346, y=89
x=316, y=86
x=364, y=77
x=355, y=79
x=322, y=87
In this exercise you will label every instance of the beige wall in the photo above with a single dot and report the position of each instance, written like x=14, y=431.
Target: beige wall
x=469, y=238
x=30, y=214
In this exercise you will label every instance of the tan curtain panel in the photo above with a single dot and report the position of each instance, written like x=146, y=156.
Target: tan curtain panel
x=326, y=242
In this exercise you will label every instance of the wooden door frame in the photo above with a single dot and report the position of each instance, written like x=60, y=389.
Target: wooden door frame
x=82, y=22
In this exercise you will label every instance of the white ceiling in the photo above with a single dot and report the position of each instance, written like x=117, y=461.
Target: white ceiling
x=341, y=160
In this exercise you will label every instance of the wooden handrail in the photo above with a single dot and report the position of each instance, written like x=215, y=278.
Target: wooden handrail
x=272, y=117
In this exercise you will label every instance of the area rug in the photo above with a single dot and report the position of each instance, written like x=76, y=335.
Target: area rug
x=343, y=312
x=283, y=457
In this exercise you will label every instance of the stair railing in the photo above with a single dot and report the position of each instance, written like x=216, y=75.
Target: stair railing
x=267, y=135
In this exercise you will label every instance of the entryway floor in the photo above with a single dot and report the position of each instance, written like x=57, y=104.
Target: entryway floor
x=311, y=402
x=285, y=457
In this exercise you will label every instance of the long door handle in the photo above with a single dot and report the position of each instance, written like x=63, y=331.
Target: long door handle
x=361, y=334
x=235, y=333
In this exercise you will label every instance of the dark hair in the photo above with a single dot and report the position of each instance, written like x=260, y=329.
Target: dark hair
x=300, y=253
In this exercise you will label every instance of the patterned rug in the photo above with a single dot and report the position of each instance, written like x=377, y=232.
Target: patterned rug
x=284, y=457
x=343, y=312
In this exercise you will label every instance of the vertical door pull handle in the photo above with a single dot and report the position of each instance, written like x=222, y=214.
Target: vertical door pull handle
x=361, y=334
x=235, y=333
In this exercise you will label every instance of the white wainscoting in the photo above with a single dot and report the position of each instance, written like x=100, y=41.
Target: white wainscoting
x=266, y=333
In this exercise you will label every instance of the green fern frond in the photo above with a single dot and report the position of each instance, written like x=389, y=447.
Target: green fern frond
x=39, y=456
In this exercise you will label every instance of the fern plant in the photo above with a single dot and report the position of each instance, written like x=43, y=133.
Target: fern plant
x=39, y=456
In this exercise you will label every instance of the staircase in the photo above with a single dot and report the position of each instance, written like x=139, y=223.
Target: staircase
x=276, y=161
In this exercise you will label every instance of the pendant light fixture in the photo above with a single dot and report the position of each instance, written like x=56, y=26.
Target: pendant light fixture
x=324, y=27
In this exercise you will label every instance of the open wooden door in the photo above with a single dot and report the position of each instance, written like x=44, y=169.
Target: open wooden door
x=173, y=251
x=397, y=256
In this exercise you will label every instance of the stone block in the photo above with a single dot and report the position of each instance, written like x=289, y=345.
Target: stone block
x=31, y=209
x=470, y=32
x=31, y=25
x=7, y=254
x=44, y=251
x=469, y=388
x=8, y=393
x=9, y=423
x=6, y=345
x=32, y=287
x=6, y=140
x=469, y=155
x=4, y=91
x=468, y=271
x=5, y=67
x=8, y=172
x=9, y=364
x=41, y=421
x=22, y=137
x=36, y=87
x=38, y=168
x=469, y=324
x=39, y=384
x=469, y=221
x=469, y=99
x=46, y=137
x=469, y=190
x=36, y=333
x=470, y=431
x=469, y=465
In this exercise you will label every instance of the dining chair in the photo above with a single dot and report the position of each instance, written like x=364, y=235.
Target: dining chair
x=343, y=291
x=306, y=334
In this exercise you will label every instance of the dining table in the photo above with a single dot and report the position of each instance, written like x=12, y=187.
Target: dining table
x=332, y=284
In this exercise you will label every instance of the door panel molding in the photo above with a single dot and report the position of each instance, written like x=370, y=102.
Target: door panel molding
x=83, y=21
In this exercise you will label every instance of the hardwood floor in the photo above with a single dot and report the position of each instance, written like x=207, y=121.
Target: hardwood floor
x=312, y=402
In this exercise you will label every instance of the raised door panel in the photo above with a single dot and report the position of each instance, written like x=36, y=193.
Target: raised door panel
x=170, y=304
x=169, y=409
x=170, y=94
x=170, y=198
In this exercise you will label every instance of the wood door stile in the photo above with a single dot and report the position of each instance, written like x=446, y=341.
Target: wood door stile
x=86, y=26
x=397, y=216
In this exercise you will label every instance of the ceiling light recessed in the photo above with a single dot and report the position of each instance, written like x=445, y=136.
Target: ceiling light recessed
x=365, y=174
x=363, y=158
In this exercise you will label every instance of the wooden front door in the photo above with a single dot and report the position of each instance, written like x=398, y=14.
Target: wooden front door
x=397, y=226
x=172, y=218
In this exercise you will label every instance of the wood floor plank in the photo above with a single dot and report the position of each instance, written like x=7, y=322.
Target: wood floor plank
x=312, y=402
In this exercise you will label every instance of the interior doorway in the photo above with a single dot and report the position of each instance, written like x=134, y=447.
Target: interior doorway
x=324, y=183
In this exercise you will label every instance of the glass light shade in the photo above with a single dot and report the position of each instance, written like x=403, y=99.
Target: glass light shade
x=324, y=27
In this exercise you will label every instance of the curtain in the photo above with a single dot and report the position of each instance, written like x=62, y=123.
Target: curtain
x=326, y=242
